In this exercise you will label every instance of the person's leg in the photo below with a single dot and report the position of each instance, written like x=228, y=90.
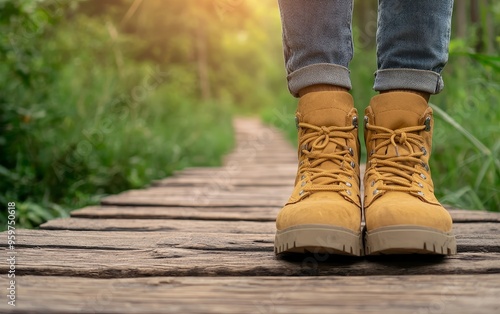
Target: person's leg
x=401, y=212
x=324, y=212
x=317, y=42
x=412, y=44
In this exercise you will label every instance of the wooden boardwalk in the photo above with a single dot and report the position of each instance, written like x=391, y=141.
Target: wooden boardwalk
x=202, y=242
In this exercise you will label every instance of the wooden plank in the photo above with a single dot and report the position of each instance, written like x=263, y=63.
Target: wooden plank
x=264, y=152
x=257, y=173
x=197, y=199
x=201, y=226
x=276, y=192
x=199, y=213
x=240, y=181
x=102, y=240
x=381, y=294
x=105, y=240
x=461, y=215
x=243, y=168
x=231, y=213
x=199, y=196
x=172, y=261
x=215, y=226
x=271, y=159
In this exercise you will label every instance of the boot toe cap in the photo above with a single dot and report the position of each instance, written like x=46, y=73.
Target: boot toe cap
x=396, y=208
x=324, y=212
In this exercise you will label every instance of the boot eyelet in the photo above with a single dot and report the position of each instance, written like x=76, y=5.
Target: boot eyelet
x=303, y=183
x=348, y=192
x=366, y=120
x=353, y=165
x=426, y=167
x=420, y=184
x=375, y=192
x=355, y=121
x=351, y=151
x=373, y=183
x=301, y=193
x=302, y=177
x=423, y=176
x=372, y=152
x=421, y=193
x=423, y=150
x=427, y=124
x=348, y=184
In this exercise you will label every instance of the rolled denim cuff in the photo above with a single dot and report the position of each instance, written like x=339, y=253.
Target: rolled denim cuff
x=319, y=73
x=413, y=79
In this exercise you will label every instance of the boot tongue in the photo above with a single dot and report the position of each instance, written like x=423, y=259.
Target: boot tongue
x=329, y=108
x=398, y=110
x=325, y=108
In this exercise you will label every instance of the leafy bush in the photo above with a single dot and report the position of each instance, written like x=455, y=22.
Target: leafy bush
x=81, y=119
x=467, y=146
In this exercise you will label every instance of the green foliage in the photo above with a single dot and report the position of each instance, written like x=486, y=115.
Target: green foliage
x=81, y=118
x=467, y=146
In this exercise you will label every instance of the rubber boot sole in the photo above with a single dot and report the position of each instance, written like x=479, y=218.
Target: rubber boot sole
x=323, y=239
x=406, y=239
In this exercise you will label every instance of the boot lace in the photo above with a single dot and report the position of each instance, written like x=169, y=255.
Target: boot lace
x=313, y=143
x=396, y=172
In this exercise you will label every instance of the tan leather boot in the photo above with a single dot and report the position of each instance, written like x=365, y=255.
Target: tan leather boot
x=401, y=212
x=323, y=215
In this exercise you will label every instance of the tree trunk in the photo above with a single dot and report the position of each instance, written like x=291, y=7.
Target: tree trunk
x=490, y=28
x=461, y=19
x=475, y=17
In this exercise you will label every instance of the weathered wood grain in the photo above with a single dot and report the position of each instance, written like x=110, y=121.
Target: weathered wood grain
x=245, y=169
x=198, y=213
x=201, y=226
x=380, y=294
x=231, y=213
x=210, y=192
x=215, y=226
x=239, y=181
x=258, y=173
x=252, y=191
x=198, y=198
x=169, y=260
x=105, y=240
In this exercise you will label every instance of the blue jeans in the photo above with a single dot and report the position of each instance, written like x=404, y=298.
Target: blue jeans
x=412, y=43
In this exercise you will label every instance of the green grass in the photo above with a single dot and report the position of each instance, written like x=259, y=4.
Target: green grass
x=81, y=146
x=92, y=126
x=466, y=160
